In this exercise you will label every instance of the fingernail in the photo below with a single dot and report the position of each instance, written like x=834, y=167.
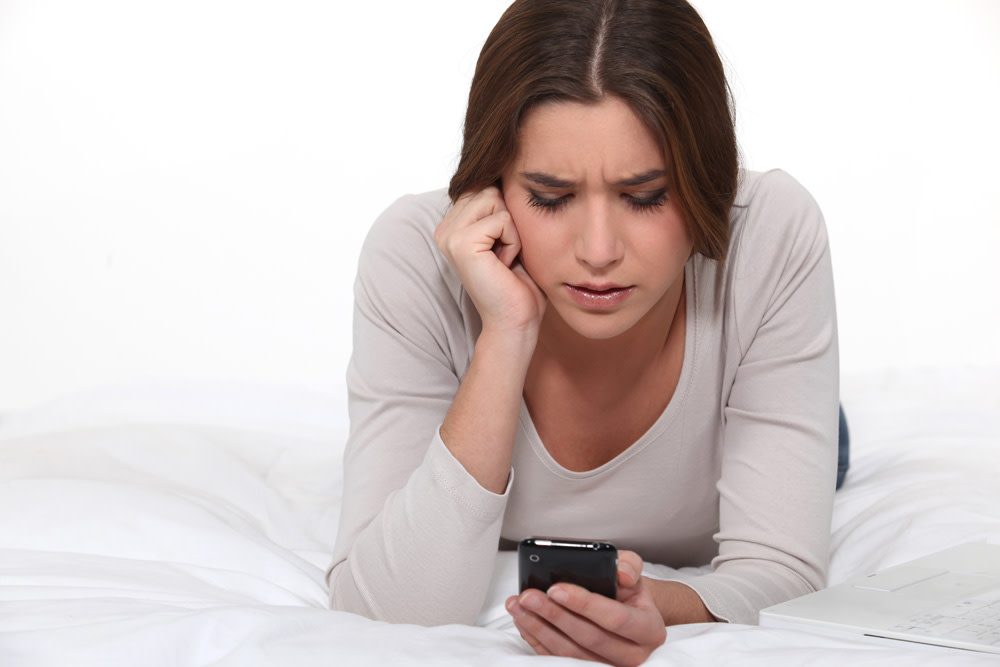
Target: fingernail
x=627, y=569
x=531, y=601
x=558, y=594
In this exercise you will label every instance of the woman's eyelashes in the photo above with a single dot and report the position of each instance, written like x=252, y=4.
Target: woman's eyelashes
x=548, y=204
x=655, y=200
x=639, y=203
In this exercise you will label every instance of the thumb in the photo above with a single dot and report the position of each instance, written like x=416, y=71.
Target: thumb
x=629, y=569
x=518, y=269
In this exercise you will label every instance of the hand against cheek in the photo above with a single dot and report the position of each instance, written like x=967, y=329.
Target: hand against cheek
x=572, y=622
x=480, y=241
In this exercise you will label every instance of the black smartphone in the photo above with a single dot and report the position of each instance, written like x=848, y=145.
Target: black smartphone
x=543, y=561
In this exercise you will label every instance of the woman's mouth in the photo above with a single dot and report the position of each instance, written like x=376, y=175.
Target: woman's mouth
x=600, y=297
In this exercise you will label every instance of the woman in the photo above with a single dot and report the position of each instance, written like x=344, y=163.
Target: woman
x=604, y=329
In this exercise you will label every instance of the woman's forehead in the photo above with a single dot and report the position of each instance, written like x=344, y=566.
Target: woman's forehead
x=569, y=140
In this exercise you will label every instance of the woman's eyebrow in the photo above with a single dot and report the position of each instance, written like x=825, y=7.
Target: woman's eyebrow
x=643, y=178
x=546, y=180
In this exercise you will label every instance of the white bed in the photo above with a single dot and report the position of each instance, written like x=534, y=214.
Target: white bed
x=190, y=524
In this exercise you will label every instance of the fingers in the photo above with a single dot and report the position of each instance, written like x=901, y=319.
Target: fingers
x=480, y=241
x=543, y=637
x=481, y=221
x=571, y=621
x=629, y=622
x=629, y=571
x=540, y=299
x=508, y=246
x=481, y=204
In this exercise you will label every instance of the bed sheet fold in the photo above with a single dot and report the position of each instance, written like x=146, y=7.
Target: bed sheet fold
x=192, y=526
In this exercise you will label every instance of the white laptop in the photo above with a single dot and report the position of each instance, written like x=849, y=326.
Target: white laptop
x=951, y=599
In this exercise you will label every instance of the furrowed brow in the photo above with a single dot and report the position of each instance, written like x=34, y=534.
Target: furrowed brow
x=643, y=178
x=547, y=180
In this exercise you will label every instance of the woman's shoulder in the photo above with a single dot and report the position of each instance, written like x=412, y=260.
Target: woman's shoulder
x=775, y=191
x=402, y=277
x=401, y=240
x=774, y=218
x=426, y=207
x=410, y=219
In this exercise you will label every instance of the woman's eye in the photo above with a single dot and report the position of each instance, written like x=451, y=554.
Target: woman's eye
x=549, y=204
x=645, y=203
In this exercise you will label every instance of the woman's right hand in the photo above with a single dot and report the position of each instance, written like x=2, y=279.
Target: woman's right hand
x=480, y=241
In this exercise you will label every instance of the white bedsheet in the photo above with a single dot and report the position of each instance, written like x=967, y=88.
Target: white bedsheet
x=191, y=525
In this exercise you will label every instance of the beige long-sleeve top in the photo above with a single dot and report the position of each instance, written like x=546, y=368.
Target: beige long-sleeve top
x=738, y=471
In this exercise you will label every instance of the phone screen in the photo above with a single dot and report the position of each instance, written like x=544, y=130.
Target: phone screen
x=592, y=564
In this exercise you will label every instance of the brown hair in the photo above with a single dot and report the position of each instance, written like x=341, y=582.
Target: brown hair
x=656, y=55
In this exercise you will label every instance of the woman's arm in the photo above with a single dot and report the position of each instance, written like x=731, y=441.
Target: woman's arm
x=480, y=241
x=481, y=424
x=779, y=451
x=421, y=515
x=678, y=604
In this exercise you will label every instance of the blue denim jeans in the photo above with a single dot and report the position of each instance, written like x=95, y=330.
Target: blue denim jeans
x=843, y=449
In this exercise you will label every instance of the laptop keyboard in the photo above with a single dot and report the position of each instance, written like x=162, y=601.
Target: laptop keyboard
x=975, y=619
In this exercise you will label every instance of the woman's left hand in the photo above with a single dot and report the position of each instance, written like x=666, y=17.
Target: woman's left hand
x=573, y=622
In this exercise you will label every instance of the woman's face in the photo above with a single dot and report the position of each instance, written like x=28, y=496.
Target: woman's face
x=599, y=231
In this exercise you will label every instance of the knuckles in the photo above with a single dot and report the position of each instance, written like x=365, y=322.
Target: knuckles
x=460, y=227
x=617, y=619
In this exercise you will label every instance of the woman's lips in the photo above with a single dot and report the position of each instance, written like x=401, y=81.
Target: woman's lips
x=600, y=297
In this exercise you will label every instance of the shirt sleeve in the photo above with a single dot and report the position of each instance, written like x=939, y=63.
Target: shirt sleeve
x=779, y=449
x=418, y=535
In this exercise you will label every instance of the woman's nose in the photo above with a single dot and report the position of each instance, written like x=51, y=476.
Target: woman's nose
x=598, y=243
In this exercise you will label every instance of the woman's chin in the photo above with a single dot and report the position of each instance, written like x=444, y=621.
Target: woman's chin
x=594, y=325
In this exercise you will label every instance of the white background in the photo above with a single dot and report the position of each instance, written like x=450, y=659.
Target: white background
x=185, y=185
